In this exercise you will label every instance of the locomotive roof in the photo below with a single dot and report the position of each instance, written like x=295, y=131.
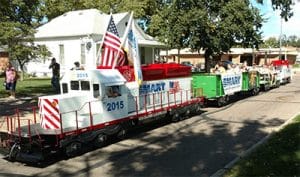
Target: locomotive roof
x=104, y=76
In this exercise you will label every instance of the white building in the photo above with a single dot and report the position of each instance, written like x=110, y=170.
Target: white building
x=77, y=35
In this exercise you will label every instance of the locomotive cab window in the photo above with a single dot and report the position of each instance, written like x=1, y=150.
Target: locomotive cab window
x=64, y=87
x=85, y=85
x=96, y=92
x=80, y=85
x=113, y=91
x=74, y=85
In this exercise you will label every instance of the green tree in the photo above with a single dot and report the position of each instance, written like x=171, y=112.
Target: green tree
x=285, y=6
x=143, y=9
x=293, y=41
x=169, y=26
x=212, y=26
x=18, y=19
x=270, y=42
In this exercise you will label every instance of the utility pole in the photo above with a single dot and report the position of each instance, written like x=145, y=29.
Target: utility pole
x=280, y=38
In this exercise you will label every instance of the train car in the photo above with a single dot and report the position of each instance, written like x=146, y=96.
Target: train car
x=284, y=70
x=97, y=104
x=268, y=78
x=218, y=87
x=251, y=82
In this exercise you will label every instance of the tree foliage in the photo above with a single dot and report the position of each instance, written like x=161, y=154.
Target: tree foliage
x=213, y=26
x=285, y=7
x=290, y=41
x=18, y=19
x=143, y=9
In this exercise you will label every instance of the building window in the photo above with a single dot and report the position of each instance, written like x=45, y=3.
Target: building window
x=82, y=53
x=61, y=54
x=143, y=58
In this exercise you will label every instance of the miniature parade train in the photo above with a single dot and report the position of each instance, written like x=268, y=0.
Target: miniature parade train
x=97, y=104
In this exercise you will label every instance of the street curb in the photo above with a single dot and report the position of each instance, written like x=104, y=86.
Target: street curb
x=244, y=154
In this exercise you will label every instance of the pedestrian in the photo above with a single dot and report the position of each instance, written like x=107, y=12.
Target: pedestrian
x=11, y=77
x=55, y=75
x=77, y=66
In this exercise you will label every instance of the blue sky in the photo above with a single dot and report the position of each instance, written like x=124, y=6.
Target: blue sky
x=271, y=28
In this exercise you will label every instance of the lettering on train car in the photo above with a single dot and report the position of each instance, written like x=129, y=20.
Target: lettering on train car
x=152, y=88
x=231, y=83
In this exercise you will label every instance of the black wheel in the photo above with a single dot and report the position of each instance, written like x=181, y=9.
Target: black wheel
x=175, y=117
x=122, y=134
x=266, y=87
x=73, y=149
x=255, y=91
x=221, y=101
x=187, y=112
x=100, y=140
x=197, y=109
x=14, y=151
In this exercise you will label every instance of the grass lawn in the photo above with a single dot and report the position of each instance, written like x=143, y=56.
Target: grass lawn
x=29, y=87
x=280, y=156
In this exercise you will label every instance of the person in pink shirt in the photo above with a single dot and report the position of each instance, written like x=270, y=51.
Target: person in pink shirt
x=11, y=80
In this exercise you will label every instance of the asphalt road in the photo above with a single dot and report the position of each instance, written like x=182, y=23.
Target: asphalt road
x=198, y=146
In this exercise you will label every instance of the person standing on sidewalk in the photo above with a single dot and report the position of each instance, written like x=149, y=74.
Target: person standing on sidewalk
x=11, y=77
x=55, y=75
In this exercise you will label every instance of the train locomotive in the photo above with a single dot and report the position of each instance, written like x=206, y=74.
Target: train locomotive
x=97, y=104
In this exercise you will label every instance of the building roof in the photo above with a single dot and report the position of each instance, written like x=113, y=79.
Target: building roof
x=233, y=51
x=90, y=22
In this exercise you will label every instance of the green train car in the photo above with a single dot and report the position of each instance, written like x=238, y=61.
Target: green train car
x=269, y=80
x=219, y=87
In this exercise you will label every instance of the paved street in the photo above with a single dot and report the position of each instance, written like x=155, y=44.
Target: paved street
x=198, y=146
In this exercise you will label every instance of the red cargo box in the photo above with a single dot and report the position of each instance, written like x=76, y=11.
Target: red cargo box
x=177, y=70
x=154, y=71
x=165, y=70
x=280, y=62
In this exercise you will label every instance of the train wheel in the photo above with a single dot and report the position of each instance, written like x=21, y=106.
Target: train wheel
x=14, y=151
x=185, y=115
x=175, y=117
x=221, y=101
x=73, y=149
x=122, y=134
x=197, y=108
x=100, y=140
x=255, y=91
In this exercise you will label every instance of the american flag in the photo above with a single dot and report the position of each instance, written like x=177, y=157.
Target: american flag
x=112, y=47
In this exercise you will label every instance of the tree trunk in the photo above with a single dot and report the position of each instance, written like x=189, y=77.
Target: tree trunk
x=22, y=70
x=178, y=59
x=210, y=60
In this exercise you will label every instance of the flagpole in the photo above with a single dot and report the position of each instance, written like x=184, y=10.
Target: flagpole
x=124, y=38
x=98, y=54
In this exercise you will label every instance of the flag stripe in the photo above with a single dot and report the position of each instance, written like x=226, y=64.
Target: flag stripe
x=112, y=53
